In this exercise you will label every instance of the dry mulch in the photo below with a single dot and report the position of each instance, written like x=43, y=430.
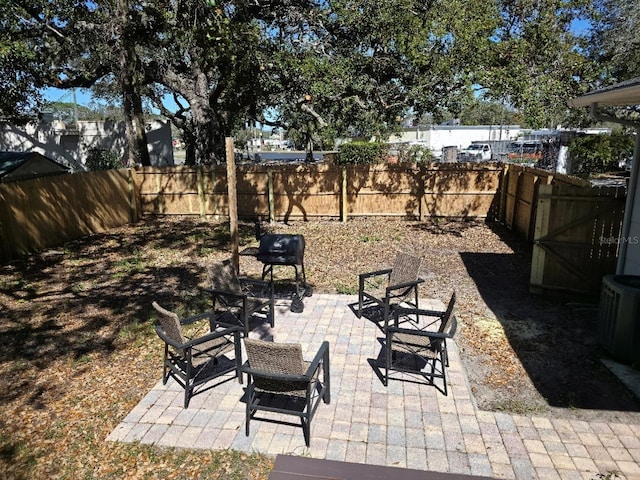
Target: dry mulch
x=79, y=351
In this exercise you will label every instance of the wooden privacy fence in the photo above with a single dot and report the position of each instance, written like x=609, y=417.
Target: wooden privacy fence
x=574, y=227
x=519, y=195
x=49, y=211
x=46, y=212
x=576, y=236
x=282, y=193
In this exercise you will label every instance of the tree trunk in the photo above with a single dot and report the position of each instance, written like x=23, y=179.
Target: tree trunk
x=130, y=129
x=136, y=148
x=141, y=132
x=189, y=146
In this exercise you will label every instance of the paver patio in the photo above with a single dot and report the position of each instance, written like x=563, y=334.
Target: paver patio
x=403, y=425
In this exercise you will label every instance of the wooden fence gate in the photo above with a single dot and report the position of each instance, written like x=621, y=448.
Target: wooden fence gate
x=576, y=237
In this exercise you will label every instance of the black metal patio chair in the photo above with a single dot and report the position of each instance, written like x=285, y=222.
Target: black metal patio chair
x=391, y=287
x=417, y=340
x=280, y=381
x=238, y=299
x=194, y=361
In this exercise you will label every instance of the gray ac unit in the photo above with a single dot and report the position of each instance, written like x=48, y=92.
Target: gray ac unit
x=619, y=322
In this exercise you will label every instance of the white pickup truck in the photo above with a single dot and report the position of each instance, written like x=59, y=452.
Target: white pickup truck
x=476, y=152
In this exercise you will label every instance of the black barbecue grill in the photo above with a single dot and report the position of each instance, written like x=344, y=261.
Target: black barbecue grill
x=287, y=250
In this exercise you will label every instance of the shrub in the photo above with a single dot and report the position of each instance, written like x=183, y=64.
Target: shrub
x=414, y=153
x=362, y=153
x=599, y=153
x=101, y=159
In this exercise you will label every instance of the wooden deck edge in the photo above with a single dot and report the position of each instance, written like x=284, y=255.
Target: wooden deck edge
x=289, y=467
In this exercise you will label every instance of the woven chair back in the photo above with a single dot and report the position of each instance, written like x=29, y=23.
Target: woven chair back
x=223, y=277
x=170, y=324
x=279, y=358
x=405, y=269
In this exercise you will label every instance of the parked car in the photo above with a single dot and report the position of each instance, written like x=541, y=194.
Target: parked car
x=475, y=152
x=527, y=151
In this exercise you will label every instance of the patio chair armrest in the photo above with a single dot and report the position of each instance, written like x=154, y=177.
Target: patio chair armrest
x=256, y=288
x=386, y=271
x=223, y=293
x=235, y=330
x=227, y=330
x=430, y=313
x=168, y=340
x=418, y=333
x=398, y=286
x=427, y=333
x=435, y=316
x=322, y=356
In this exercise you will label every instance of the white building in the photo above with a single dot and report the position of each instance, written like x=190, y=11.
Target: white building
x=438, y=136
x=70, y=145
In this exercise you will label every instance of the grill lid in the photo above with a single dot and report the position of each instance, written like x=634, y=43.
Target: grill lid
x=281, y=249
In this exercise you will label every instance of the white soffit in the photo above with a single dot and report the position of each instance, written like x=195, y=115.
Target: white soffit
x=624, y=93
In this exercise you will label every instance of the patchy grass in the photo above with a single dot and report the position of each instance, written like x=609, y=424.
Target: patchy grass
x=521, y=407
x=370, y=238
x=349, y=289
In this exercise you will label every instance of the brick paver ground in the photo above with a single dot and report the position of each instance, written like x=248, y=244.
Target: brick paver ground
x=403, y=425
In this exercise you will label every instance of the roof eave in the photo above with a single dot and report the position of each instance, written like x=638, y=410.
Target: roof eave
x=624, y=94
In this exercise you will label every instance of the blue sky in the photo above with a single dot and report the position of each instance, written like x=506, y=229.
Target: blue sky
x=83, y=96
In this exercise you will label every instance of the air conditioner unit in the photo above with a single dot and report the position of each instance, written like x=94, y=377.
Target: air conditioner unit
x=619, y=321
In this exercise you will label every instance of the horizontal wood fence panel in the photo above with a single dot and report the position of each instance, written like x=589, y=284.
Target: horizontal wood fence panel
x=485, y=180
x=381, y=204
x=168, y=180
x=476, y=204
x=171, y=203
x=306, y=192
x=249, y=182
x=461, y=190
x=382, y=179
x=317, y=191
x=299, y=207
x=308, y=181
x=383, y=190
x=45, y=212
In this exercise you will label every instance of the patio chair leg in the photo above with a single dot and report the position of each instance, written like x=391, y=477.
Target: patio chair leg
x=245, y=321
x=272, y=313
x=326, y=397
x=446, y=353
x=238, y=355
x=387, y=361
x=165, y=367
x=187, y=397
x=444, y=371
x=250, y=393
x=306, y=427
